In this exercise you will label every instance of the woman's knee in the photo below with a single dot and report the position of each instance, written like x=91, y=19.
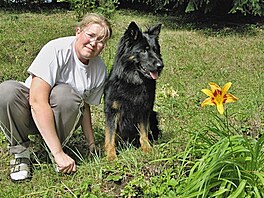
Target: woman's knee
x=65, y=96
x=11, y=92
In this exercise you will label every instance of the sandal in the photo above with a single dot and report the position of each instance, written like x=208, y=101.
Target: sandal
x=20, y=169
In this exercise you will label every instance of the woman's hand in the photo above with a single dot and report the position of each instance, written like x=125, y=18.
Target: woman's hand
x=65, y=163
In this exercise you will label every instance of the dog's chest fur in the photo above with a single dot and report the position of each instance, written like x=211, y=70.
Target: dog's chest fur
x=134, y=97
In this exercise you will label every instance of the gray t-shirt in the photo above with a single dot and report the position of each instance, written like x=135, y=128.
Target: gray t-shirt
x=57, y=63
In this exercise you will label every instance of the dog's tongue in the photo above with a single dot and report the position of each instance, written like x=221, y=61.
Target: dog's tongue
x=154, y=75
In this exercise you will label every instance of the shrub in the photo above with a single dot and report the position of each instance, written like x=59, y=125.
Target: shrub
x=247, y=7
x=105, y=7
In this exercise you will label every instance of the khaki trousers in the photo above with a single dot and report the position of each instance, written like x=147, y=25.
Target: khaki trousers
x=16, y=121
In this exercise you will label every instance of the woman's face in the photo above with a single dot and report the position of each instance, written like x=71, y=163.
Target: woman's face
x=89, y=42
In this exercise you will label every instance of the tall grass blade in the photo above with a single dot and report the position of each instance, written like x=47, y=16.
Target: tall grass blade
x=261, y=177
x=257, y=194
x=240, y=189
x=76, y=153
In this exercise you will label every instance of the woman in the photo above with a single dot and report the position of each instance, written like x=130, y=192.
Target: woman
x=65, y=78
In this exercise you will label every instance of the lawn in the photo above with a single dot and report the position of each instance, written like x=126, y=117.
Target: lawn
x=194, y=53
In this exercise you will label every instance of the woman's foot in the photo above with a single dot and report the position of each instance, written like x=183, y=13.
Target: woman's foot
x=20, y=166
x=20, y=169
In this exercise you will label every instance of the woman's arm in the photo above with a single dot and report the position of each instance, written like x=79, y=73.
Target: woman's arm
x=87, y=127
x=44, y=119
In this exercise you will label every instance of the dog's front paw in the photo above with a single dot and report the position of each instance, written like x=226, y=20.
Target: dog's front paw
x=146, y=148
x=145, y=145
x=111, y=156
x=110, y=153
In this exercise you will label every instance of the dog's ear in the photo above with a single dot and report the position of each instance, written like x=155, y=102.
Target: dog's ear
x=155, y=30
x=133, y=31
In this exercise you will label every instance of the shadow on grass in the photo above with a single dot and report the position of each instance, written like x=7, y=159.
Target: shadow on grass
x=212, y=25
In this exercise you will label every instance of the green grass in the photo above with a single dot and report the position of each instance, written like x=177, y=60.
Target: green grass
x=194, y=54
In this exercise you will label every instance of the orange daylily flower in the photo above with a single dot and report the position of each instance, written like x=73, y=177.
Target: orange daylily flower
x=218, y=96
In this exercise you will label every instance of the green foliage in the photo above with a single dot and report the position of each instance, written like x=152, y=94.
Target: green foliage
x=2, y=138
x=156, y=186
x=194, y=5
x=252, y=7
x=247, y=7
x=231, y=164
x=105, y=7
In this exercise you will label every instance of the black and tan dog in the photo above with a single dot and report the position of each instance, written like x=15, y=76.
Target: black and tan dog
x=130, y=90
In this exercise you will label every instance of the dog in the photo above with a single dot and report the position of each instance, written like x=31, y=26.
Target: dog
x=129, y=92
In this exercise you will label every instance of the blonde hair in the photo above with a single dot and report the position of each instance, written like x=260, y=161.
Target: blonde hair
x=94, y=18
